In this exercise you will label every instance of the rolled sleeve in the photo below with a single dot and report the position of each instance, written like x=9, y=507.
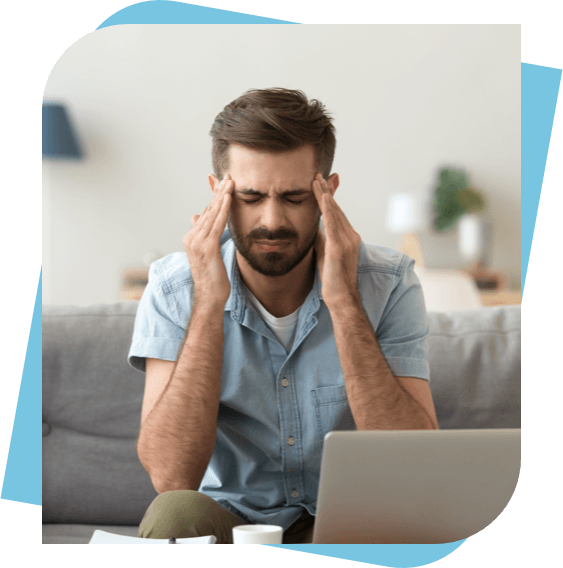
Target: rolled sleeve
x=403, y=329
x=157, y=333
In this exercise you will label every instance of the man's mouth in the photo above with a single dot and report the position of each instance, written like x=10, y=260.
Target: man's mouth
x=270, y=246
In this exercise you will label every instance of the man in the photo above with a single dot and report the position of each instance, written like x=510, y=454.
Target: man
x=256, y=346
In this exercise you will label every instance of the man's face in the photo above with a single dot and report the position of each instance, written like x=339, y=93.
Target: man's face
x=274, y=215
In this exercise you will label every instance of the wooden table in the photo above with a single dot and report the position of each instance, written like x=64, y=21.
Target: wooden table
x=503, y=297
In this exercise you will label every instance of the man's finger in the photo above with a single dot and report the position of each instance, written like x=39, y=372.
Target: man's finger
x=221, y=219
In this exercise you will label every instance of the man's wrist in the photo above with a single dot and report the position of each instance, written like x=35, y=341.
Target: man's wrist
x=344, y=302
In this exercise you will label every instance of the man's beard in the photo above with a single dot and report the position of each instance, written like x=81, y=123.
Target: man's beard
x=273, y=263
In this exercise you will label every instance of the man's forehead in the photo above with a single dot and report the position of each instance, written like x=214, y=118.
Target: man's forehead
x=266, y=172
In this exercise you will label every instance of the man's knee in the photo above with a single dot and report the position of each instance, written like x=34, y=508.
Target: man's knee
x=185, y=514
x=171, y=502
x=169, y=513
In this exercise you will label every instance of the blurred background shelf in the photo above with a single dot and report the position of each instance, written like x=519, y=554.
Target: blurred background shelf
x=133, y=282
x=443, y=289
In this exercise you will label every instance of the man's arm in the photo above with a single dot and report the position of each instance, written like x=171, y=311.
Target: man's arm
x=378, y=400
x=179, y=415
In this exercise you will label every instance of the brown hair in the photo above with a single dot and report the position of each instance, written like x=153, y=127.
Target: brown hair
x=273, y=120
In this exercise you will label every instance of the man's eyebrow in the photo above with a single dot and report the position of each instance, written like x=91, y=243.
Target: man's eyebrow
x=286, y=193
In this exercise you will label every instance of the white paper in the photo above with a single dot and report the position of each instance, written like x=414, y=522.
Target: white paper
x=103, y=537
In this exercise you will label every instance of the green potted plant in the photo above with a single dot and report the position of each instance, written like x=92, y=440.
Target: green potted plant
x=453, y=198
x=456, y=203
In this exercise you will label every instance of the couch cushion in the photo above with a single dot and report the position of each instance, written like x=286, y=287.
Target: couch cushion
x=475, y=360
x=91, y=414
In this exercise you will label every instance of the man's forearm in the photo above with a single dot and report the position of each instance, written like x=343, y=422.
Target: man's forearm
x=377, y=400
x=177, y=438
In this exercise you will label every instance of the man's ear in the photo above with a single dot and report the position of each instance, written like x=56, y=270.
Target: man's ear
x=213, y=182
x=333, y=182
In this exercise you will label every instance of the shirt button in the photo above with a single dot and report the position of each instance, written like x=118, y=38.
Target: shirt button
x=295, y=494
x=291, y=441
x=284, y=382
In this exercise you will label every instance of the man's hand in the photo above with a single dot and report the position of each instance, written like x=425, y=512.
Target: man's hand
x=337, y=255
x=202, y=244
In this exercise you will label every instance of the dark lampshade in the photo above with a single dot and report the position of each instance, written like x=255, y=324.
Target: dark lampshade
x=59, y=139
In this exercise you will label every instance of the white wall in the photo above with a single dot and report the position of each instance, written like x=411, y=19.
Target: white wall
x=406, y=100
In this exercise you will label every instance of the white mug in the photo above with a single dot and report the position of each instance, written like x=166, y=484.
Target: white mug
x=257, y=534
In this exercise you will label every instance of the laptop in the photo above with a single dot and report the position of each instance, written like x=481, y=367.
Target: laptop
x=424, y=486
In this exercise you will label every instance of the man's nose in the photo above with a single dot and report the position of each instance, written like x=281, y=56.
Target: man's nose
x=272, y=215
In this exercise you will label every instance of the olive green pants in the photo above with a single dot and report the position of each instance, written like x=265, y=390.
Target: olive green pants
x=184, y=514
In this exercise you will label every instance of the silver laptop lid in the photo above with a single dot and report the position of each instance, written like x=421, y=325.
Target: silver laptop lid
x=424, y=486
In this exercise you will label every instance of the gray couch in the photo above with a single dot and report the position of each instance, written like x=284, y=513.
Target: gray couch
x=92, y=399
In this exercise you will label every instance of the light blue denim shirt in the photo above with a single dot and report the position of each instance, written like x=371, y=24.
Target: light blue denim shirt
x=276, y=407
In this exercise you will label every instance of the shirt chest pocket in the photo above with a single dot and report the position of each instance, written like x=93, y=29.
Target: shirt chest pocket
x=332, y=410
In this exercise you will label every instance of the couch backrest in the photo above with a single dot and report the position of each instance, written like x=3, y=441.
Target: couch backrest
x=474, y=359
x=92, y=400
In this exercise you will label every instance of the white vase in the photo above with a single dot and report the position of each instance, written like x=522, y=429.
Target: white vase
x=471, y=237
